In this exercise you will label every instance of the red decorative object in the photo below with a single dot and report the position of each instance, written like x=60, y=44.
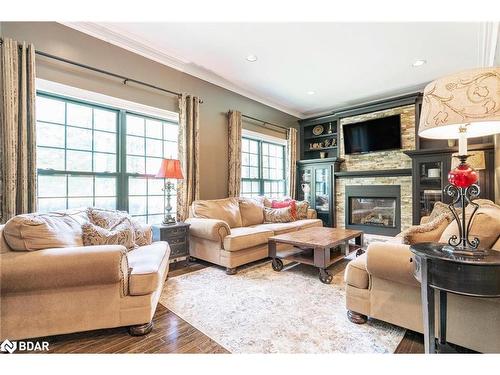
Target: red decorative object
x=463, y=175
x=170, y=168
x=286, y=203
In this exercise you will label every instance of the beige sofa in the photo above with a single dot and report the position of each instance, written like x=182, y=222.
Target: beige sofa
x=380, y=284
x=231, y=232
x=63, y=290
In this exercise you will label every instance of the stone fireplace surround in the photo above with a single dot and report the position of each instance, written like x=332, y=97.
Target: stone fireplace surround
x=391, y=167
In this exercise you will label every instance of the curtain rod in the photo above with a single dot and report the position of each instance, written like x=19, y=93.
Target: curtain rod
x=264, y=123
x=88, y=67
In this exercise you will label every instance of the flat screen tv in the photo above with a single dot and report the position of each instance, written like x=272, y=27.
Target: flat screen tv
x=373, y=135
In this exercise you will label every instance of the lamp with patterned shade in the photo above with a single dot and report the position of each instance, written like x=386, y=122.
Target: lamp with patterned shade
x=461, y=106
x=169, y=169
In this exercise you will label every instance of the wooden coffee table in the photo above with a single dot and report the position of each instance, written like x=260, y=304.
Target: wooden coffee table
x=318, y=246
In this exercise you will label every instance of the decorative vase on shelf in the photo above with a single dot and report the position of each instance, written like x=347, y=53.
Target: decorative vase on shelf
x=330, y=128
x=323, y=154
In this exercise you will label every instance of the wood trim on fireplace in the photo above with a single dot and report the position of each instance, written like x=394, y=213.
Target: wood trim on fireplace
x=375, y=173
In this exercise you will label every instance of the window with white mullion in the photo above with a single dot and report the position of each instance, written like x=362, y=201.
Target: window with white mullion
x=78, y=157
x=262, y=168
x=148, y=141
x=76, y=154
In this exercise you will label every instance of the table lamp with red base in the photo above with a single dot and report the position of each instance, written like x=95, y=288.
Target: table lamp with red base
x=461, y=106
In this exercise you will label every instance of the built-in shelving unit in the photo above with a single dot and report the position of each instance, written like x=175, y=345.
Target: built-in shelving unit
x=319, y=140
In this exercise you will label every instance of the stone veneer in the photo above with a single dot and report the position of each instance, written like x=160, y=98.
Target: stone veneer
x=391, y=159
x=406, y=195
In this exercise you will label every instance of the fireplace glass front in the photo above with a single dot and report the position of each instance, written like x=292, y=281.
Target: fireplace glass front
x=377, y=212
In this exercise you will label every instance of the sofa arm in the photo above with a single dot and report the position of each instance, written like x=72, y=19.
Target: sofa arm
x=209, y=229
x=311, y=213
x=391, y=261
x=63, y=267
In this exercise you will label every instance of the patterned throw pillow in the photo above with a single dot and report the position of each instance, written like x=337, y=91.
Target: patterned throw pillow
x=286, y=203
x=109, y=219
x=302, y=207
x=122, y=234
x=428, y=232
x=278, y=215
x=439, y=209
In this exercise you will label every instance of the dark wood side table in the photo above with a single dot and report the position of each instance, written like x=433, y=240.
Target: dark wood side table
x=177, y=236
x=438, y=269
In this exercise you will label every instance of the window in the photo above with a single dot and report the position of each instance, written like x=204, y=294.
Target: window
x=262, y=168
x=92, y=155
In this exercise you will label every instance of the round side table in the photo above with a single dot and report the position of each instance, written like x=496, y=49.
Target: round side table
x=437, y=269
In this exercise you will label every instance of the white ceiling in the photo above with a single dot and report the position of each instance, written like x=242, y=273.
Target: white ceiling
x=343, y=63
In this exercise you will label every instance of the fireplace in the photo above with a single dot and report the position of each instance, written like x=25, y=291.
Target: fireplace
x=374, y=209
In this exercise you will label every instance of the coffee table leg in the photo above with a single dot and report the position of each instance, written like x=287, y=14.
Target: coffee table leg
x=277, y=263
x=359, y=241
x=321, y=260
x=325, y=276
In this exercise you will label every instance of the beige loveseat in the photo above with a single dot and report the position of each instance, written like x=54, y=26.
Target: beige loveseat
x=79, y=288
x=380, y=284
x=231, y=232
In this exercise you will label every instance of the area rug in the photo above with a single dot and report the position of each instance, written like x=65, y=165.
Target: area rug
x=259, y=310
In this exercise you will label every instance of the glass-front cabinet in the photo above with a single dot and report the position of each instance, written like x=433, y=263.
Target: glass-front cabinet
x=316, y=185
x=430, y=173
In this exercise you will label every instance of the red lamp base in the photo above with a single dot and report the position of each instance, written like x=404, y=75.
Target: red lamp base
x=463, y=175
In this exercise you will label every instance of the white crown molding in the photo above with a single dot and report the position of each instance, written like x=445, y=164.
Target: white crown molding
x=488, y=40
x=144, y=48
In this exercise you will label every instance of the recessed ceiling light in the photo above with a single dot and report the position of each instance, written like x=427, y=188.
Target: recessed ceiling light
x=251, y=58
x=310, y=93
x=417, y=63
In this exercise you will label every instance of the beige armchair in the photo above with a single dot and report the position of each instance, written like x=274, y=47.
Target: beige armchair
x=71, y=289
x=380, y=284
x=231, y=232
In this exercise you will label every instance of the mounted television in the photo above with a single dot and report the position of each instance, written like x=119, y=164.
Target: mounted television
x=373, y=135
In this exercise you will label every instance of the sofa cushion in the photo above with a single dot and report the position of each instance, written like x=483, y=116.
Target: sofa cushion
x=307, y=223
x=429, y=232
x=227, y=209
x=302, y=209
x=439, y=209
x=485, y=225
x=252, y=211
x=245, y=237
x=109, y=219
x=121, y=234
x=286, y=203
x=278, y=228
x=278, y=215
x=356, y=274
x=30, y=232
x=147, y=266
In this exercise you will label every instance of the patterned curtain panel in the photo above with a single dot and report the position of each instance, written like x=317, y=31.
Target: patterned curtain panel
x=291, y=151
x=17, y=131
x=188, y=189
x=234, y=127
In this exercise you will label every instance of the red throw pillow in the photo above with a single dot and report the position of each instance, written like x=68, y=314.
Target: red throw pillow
x=287, y=203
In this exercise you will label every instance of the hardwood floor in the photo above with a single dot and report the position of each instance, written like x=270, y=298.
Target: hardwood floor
x=170, y=334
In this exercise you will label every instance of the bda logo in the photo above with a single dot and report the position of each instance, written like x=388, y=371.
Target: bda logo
x=8, y=346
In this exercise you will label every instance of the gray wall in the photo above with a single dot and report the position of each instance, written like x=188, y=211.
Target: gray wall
x=65, y=42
